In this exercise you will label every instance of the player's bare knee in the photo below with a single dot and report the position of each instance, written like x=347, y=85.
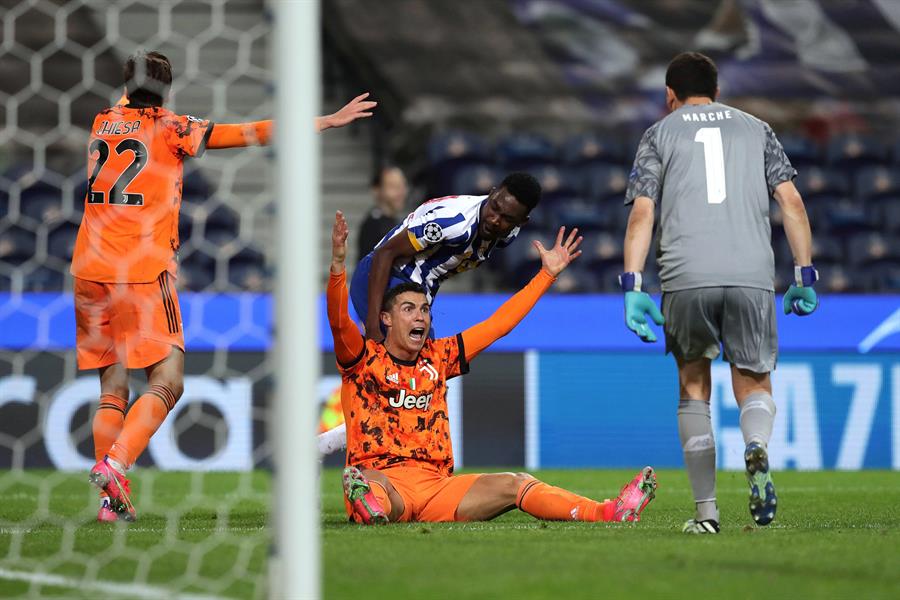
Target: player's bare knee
x=117, y=390
x=517, y=481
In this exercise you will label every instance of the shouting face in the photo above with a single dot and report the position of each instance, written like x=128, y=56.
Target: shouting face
x=407, y=319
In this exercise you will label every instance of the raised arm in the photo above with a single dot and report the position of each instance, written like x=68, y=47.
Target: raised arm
x=238, y=135
x=511, y=312
x=358, y=108
x=348, y=342
x=399, y=246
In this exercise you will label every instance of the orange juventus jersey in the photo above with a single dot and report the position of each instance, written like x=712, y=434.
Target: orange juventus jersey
x=396, y=411
x=129, y=232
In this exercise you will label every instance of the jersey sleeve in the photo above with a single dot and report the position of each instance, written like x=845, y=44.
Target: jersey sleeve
x=454, y=356
x=437, y=225
x=349, y=346
x=778, y=166
x=187, y=135
x=478, y=337
x=646, y=177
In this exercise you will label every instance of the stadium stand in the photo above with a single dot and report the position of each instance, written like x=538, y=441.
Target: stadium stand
x=604, y=61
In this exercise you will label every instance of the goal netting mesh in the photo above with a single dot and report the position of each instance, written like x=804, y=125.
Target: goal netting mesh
x=202, y=486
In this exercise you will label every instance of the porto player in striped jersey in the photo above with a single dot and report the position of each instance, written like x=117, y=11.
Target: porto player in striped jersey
x=124, y=263
x=440, y=239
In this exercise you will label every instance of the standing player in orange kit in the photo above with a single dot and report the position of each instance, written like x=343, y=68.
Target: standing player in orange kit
x=393, y=393
x=126, y=307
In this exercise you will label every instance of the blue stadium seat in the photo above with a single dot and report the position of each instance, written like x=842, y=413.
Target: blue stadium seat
x=43, y=279
x=448, y=153
x=456, y=146
x=592, y=148
x=247, y=271
x=16, y=245
x=877, y=278
x=871, y=248
x=519, y=151
x=475, y=179
x=816, y=182
x=521, y=257
x=801, y=151
x=825, y=248
x=602, y=250
x=850, y=150
x=835, y=278
x=889, y=209
x=840, y=215
x=603, y=181
x=577, y=279
x=61, y=240
x=555, y=182
x=581, y=212
x=877, y=182
x=542, y=216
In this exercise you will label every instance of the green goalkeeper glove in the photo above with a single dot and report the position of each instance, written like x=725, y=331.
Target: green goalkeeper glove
x=801, y=298
x=638, y=305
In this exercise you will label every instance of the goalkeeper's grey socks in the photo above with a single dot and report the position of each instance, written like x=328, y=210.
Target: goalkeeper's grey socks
x=757, y=417
x=699, y=446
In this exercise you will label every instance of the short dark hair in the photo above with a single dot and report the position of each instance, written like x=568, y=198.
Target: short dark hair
x=390, y=296
x=692, y=74
x=524, y=188
x=148, y=77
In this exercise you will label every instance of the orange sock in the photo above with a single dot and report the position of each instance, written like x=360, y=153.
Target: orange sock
x=107, y=424
x=556, y=504
x=144, y=418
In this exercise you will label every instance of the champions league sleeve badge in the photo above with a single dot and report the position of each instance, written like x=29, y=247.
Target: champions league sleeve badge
x=433, y=232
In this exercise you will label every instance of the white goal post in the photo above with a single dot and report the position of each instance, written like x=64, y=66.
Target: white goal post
x=296, y=562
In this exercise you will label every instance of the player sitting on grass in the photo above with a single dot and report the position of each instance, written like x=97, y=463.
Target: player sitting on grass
x=126, y=307
x=393, y=394
x=440, y=239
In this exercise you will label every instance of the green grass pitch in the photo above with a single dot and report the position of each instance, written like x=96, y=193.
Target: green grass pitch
x=837, y=535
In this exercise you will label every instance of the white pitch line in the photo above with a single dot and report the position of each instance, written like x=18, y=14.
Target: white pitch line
x=134, y=590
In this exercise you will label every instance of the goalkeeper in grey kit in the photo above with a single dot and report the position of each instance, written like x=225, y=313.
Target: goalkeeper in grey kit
x=711, y=169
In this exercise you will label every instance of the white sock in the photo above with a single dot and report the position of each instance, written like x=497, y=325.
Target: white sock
x=116, y=465
x=333, y=440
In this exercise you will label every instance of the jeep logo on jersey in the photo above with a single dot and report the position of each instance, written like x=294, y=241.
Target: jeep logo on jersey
x=410, y=401
x=433, y=232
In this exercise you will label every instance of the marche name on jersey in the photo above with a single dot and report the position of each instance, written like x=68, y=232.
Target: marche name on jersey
x=118, y=128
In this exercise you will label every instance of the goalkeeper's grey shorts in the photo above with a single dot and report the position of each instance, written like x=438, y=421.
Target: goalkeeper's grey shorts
x=740, y=320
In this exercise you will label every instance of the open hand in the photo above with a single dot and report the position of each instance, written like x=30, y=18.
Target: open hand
x=339, y=234
x=357, y=108
x=557, y=258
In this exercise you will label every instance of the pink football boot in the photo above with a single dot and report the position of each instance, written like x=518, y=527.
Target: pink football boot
x=635, y=496
x=366, y=506
x=116, y=486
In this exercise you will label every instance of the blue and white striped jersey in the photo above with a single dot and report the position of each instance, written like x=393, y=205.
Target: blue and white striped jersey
x=445, y=233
